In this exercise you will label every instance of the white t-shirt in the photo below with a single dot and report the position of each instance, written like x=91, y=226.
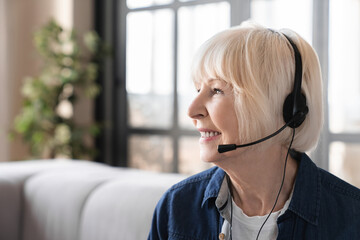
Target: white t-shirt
x=247, y=228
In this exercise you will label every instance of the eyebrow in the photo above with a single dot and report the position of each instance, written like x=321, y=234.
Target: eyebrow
x=227, y=84
x=215, y=79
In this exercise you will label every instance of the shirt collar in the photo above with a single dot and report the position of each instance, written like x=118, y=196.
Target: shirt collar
x=305, y=201
x=306, y=198
x=213, y=187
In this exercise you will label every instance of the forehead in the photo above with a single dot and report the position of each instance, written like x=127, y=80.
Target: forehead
x=214, y=81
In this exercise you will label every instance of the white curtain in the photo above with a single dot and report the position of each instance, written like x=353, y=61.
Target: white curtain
x=4, y=103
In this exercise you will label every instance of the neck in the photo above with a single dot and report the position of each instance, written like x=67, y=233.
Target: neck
x=256, y=177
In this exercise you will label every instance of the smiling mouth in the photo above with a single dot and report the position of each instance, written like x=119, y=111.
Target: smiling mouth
x=209, y=134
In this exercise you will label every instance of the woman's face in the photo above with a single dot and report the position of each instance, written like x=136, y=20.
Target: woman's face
x=213, y=114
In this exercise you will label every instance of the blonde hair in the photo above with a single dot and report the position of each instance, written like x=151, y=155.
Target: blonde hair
x=259, y=65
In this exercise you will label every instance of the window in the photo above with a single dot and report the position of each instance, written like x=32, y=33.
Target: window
x=161, y=37
x=344, y=89
x=275, y=14
x=155, y=41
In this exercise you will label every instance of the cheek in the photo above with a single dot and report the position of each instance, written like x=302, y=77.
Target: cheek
x=226, y=113
x=227, y=121
x=229, y=124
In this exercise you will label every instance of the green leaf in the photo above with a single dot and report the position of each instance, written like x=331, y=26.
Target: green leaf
x=64, y=69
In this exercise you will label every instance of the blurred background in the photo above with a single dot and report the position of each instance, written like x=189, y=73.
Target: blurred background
x=145, y=82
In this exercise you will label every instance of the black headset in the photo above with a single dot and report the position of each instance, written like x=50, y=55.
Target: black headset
x=295, y=107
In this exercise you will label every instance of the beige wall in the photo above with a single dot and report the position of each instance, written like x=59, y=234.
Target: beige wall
x=18, y=20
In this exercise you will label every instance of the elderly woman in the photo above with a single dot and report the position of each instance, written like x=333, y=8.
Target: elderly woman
x=258, y=109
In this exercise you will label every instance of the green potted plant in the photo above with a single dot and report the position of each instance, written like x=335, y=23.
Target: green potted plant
x=46, y=121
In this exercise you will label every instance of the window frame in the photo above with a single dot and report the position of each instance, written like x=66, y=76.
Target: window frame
x=112, y=106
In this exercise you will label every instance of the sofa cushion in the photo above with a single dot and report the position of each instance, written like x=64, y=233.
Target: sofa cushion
x=54, y=201
x=12, y=178
x=123, y=208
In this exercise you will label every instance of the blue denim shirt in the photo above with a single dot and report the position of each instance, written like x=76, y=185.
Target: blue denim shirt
x=322, y=207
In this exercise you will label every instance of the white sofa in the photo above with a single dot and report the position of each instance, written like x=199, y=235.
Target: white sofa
x=77, y=200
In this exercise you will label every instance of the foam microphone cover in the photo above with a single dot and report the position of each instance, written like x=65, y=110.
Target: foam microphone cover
x=226, y=148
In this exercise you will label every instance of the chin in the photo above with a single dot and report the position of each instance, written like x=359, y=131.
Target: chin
x=209, y=156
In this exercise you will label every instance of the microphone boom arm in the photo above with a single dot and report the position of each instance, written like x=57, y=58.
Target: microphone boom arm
x=230, y=147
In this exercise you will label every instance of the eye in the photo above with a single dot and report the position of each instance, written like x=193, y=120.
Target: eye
x=218, y=91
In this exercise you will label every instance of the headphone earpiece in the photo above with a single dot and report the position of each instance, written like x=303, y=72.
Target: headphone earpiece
x=295, y=108
x=300, y=112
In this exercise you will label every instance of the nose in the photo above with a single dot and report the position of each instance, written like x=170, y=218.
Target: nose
x=197, y=109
